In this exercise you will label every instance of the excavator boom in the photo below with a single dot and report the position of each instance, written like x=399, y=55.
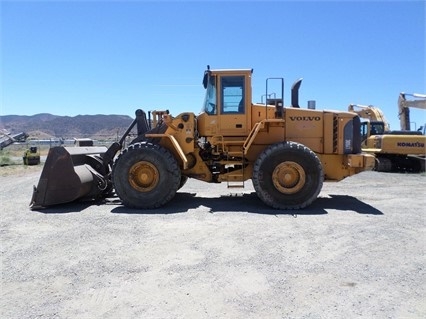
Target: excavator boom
x=418, y=101
x=369, y=112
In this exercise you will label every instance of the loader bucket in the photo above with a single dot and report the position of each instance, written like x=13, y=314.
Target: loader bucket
x=71, y=173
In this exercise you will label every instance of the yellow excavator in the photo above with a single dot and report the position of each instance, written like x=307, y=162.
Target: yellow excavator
x=395, y=150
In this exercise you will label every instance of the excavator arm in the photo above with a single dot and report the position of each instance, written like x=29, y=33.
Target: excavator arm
x=369, y=112
x=404, y=105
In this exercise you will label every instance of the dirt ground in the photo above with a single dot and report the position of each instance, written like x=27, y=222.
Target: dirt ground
x=213, y=252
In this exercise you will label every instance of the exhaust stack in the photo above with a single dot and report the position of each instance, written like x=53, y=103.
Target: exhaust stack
x=295, y=93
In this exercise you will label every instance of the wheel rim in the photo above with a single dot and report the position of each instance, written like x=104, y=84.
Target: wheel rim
x=288, y=177
x=143, y=176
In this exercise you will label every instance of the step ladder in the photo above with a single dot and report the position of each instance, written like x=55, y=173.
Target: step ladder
x=224, y=146
x=239, y=176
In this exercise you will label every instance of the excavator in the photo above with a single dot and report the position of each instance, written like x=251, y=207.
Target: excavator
x=287, y=152
x=395, y=150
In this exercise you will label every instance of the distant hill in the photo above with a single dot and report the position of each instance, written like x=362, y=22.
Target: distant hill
x=42, y=126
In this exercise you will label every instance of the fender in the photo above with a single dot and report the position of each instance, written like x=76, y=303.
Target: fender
x=176, y=146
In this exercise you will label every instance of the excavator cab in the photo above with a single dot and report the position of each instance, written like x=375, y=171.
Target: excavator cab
x=371, y=128
x=377, y=128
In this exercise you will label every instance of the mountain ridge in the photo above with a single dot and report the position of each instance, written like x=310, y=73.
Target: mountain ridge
x=46, y=125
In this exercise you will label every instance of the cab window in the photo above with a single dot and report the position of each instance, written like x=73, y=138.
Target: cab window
x=210, y=99
x=364, y=130
x=377, y=129
x=232, y=89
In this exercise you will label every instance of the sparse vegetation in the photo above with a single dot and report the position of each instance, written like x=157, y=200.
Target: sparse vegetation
x=5, y=158
x=11, y=160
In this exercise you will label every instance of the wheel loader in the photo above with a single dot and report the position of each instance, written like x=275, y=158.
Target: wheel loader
x=287, y=152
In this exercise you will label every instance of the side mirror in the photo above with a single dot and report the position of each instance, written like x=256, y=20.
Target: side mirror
x=206, y=77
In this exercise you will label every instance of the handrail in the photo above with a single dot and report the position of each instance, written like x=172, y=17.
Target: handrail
x=253, y=133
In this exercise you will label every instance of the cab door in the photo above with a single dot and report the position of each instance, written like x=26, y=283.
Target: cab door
x=233, y=107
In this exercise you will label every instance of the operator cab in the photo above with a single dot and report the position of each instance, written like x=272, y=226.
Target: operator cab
x=231, y=93
x=226, y=109
x=370, y=128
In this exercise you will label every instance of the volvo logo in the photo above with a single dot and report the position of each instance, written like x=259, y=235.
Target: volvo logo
x=305, y=118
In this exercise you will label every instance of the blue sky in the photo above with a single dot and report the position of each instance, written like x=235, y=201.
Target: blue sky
x=112, y=57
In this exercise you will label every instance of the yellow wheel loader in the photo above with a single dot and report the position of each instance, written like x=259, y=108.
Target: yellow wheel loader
x=287, y=152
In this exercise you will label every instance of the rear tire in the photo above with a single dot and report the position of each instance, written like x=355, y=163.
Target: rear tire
x=146, y=176
x=288, y=175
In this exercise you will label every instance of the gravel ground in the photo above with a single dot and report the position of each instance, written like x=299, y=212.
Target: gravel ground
x=213, y=252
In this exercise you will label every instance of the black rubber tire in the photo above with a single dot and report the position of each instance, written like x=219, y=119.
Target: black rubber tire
x=183, y=180
x=287, y=175
x=158, y=161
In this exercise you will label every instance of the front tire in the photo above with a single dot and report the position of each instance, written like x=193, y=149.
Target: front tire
x=288, y=175
x=183, y=180
x=146, y=176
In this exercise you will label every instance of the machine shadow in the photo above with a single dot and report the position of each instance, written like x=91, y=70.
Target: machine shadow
x=69, y=208
x=250, y=203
